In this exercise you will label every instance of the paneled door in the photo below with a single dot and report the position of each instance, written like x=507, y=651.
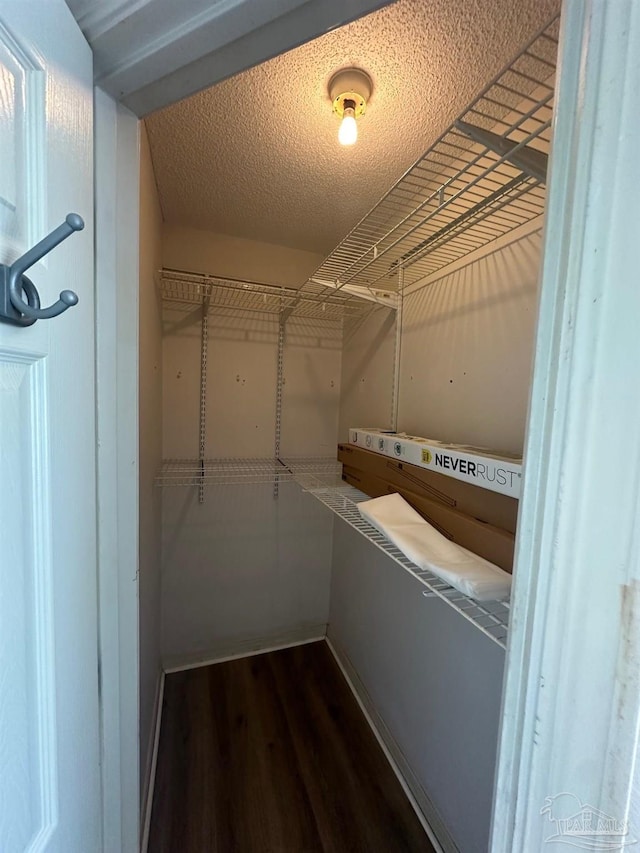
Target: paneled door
x=49, y=703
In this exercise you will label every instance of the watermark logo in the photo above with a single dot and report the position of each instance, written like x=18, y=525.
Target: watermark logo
x=580, y=825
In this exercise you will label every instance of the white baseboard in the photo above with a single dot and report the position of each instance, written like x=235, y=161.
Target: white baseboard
x=422, y=805
x=245, y=648
x=151, y=777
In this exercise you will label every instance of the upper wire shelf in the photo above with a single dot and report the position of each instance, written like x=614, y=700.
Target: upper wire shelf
x=462, y=194
x=178, y=287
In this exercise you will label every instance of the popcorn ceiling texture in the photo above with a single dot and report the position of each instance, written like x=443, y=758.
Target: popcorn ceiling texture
x=257, y=156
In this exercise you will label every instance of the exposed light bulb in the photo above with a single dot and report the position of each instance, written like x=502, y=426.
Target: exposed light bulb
x=349, y=90
x=348, y=132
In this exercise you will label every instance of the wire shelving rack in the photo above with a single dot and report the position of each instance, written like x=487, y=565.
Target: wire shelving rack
x=321, y=478
x=248, y=471
x=490, y=617
x=187, y=290
x=463, y=193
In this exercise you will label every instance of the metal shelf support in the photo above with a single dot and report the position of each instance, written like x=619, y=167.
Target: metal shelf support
x=204, y=345
x=397, y=351
x=529, y=160
x=282, y=329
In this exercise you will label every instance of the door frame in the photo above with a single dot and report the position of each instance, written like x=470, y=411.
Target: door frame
x=117, y=172
x=571, y=704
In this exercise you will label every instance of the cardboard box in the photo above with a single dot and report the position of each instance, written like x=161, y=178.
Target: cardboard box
x=493, y=543
x=482, y=504
x=497, y=472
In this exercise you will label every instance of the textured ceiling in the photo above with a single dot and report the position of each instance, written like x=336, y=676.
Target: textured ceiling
x=257, y=155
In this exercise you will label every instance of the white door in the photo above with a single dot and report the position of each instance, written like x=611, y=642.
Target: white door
x=49, y=719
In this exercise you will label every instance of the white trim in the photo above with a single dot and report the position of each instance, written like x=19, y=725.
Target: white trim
x=416, y=795
x=182, y=48
x=246, y=649
x=96, y=19
x=116, y=250
x=151, y=779
x=572, y=693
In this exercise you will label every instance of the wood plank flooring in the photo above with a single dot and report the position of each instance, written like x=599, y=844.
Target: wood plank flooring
x=271, y=754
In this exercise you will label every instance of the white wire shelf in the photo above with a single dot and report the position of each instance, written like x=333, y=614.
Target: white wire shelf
x=490, y=617
x=190, y=290
x=460, y=195
x=321, y=477
x=227, y=472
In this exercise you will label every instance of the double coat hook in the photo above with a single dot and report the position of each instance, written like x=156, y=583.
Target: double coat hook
x=14, y=282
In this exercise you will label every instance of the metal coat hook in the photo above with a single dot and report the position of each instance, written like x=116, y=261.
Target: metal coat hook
x=13, y=281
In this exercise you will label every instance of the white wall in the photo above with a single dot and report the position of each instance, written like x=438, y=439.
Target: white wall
x=241, y=376
x=467, y=346
x=150, y=455
x=367, y=370
x=244, y=569
x=195, y=250
x=241, y=385
x=465, y=356
x=311, y=391
x=431, y=676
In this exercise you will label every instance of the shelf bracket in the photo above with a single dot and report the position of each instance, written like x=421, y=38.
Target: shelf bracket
x=204, y=346
x=282, y=330
x=529, y=160
x=395, y=378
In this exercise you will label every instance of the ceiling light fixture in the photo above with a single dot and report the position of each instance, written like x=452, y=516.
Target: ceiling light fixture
x=349, y=90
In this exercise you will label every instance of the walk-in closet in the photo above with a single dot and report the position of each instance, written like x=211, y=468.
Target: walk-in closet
x=320, y=689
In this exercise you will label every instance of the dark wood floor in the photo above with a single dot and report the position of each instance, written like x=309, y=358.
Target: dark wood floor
x=271, y=754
